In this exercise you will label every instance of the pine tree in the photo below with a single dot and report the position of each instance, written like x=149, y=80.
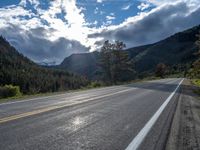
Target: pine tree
x=161, y=69
x=115, y=62
x=105, y=61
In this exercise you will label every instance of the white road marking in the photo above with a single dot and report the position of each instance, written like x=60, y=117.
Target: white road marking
x=134, y=145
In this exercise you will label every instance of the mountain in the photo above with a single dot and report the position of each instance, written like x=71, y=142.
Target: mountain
x=176, y=51
x=85, y=64
x=53, y=63
x=18, y=70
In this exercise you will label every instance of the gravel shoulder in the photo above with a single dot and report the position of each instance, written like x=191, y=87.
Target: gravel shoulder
x=185, y=129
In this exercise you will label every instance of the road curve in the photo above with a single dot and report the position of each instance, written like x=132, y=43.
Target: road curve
x=106, y=118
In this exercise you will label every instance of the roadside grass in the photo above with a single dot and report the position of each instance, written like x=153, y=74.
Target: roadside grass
x=196, y=82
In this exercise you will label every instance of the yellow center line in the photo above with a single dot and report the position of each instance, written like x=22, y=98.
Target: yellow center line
x=18, y=116
x=42, y=110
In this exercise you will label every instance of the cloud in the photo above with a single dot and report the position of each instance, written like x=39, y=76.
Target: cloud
x=60, y=28
x=41, y=49
x=100, y=1
x=43, y=34
x=150, y=27
x=193, y=4
x=23, y=3
x=110, y=17
x=143, y=6
x=126, y=7
x=95, y=22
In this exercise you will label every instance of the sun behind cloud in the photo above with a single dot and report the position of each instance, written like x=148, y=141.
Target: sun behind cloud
x=64, y=27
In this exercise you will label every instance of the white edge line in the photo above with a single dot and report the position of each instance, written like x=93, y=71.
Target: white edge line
x=135, y=143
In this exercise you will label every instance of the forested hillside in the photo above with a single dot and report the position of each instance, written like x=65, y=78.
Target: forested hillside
x=18, y=70
x=177, y=52
x=85, y=64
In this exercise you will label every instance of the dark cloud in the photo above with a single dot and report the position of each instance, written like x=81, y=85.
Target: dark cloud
x=157, y=25
x=33, y=44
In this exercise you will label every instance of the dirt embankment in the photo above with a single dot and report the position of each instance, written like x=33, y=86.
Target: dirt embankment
x=185, y=130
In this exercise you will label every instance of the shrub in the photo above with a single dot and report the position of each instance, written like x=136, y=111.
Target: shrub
x=196, y=82
x=96, y=84
x=9, y=91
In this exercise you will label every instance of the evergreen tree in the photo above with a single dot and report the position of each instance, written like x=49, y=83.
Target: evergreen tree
x=115, y=62
x=161, y=70
x=105, y=61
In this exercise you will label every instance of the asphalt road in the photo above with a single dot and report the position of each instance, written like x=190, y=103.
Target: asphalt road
x=106, y=118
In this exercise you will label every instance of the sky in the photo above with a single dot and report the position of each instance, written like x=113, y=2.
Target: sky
x=50, y=30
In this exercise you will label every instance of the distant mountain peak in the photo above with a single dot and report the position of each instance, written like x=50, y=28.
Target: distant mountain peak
x=53, y=63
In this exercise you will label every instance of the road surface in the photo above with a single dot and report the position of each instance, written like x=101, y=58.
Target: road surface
x=111, y=118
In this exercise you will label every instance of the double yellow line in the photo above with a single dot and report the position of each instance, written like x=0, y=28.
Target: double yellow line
x=34, y=112
x=42, y=110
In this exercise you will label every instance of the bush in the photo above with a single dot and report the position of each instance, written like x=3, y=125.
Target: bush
x=196, y=82
x=96, y=84
x=9, y=91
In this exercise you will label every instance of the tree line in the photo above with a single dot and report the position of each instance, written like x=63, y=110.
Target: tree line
x=194, y=72
x=17, y=70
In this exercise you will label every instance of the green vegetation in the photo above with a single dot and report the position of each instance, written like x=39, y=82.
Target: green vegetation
x=115, y=63
x=9, y=91
x=194, y=72
x=87, y=64
x=161, y=70
x=96, y=84
x=196, y=82
x=176, y=52
x=15, y=69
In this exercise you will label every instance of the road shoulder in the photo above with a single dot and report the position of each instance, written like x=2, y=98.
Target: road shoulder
x=185, y=129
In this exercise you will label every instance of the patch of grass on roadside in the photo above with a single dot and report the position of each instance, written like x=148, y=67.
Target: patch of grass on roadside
x=196, y=82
